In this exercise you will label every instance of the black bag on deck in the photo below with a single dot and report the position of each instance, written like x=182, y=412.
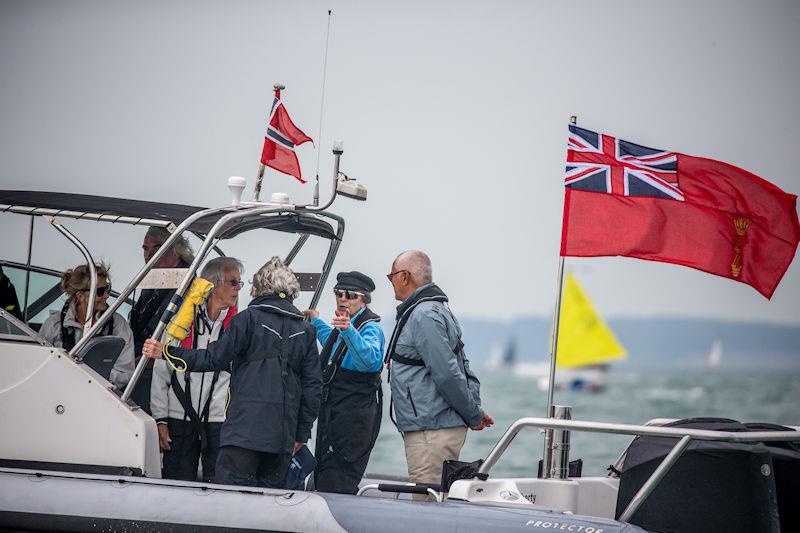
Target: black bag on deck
x=453, y=470
x=714, y=486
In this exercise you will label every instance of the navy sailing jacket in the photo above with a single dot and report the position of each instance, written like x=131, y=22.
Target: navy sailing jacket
x=271, y=405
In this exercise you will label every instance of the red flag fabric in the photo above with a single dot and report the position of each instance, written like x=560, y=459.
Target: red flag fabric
x=630, y=200
x=280, y=141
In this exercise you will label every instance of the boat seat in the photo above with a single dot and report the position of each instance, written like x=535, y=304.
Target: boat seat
x=100, y=353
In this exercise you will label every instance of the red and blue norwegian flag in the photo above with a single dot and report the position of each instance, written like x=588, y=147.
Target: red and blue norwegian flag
x=602, y=163
x=281, y=139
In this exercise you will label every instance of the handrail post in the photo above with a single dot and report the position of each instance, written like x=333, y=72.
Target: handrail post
x=654, y=479
x=28, y=272
x=87, y=320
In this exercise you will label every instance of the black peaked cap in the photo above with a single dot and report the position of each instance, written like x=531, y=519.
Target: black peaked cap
x=354, y=281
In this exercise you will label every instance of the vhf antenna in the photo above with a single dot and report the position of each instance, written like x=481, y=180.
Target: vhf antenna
x=321, y=109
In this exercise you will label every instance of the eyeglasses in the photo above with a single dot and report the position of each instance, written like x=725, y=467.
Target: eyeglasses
x=100, y=291
x=350, y=295
x=234, y=282
x=393, y=274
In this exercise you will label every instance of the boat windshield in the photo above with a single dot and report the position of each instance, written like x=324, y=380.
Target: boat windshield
x=12, y=329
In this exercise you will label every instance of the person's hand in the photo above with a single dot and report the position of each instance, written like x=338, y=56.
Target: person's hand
x=485, y=422
x=164, y=439
x=311, y=313
x=341, y=320
x=152, y=348
x=297, y=446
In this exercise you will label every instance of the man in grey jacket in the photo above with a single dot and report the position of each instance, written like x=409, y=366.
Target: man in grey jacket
x=435, y=394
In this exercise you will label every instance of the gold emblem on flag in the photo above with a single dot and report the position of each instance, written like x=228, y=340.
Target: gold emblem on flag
x=741, y=224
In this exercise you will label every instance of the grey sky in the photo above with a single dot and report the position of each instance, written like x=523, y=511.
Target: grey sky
x=453, y=114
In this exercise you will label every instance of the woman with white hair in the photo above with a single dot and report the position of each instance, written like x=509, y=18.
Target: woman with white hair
x=190, y=409
x=275, y=381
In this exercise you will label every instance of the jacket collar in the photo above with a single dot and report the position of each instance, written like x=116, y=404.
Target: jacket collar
x=70, y=320
x=426, y=291
x=277, y=304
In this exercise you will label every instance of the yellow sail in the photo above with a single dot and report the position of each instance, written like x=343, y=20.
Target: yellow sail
x=584, y=338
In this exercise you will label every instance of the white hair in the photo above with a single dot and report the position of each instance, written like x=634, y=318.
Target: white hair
x=214, y=270
x=418, y=264
x=181, y=246
x=275, y=277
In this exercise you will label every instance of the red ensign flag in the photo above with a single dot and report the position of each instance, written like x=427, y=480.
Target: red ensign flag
x=630, y=200
x=280, y=141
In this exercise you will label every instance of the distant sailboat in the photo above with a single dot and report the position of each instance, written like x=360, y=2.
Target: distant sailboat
x=586, y=345
x=715, y=354
x=510, y=354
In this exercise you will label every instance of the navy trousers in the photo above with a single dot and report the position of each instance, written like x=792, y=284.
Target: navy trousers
x=250, y=468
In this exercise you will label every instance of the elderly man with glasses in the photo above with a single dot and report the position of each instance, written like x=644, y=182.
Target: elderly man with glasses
x=436, y=396
x=190, y=408
x=352, y=401
x=152, y=303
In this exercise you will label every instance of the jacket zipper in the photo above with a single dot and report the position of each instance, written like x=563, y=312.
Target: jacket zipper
x=410, y=399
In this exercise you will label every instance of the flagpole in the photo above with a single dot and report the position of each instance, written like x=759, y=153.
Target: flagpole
x=257, y=191
x=548, y=455
x=321, y=108
x=262, y=167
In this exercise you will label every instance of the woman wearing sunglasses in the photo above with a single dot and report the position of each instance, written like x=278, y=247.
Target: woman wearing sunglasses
x=352, y=401
x=64, y=328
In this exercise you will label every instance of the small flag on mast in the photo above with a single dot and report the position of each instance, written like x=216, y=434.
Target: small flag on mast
x=281, y=139
x=626, y=199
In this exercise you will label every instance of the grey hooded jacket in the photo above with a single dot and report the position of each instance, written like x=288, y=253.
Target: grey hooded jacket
x=443, y=393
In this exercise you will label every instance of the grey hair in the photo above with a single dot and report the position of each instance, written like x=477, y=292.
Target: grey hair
x=181, y=247
x=418, y=264
x=214, y=270
x=275, y=277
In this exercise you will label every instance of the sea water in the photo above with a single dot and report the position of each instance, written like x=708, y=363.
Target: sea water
x=631, y=397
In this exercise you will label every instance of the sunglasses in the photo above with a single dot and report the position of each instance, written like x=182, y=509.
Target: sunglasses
x=100, y=291
x=350, y=295
x=234, y=282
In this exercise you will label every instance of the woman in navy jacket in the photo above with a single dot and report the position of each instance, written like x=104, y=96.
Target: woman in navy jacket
x=275, y=381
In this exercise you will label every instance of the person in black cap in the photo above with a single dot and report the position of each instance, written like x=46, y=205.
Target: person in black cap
x=352, y=401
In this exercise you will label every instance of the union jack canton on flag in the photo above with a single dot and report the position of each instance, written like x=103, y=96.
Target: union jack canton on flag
x=601, y=163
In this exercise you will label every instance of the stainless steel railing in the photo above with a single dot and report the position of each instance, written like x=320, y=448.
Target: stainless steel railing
x=684, y=435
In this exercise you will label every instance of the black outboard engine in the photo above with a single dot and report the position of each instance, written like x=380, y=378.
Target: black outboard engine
x=714, y=486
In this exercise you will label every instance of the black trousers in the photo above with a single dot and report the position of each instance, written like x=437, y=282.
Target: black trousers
x=182, y=461
x=250, y=468
x=335, y=474
x=348, y=424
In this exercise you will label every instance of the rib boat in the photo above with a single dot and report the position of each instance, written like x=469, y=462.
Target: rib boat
x=78, y=455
